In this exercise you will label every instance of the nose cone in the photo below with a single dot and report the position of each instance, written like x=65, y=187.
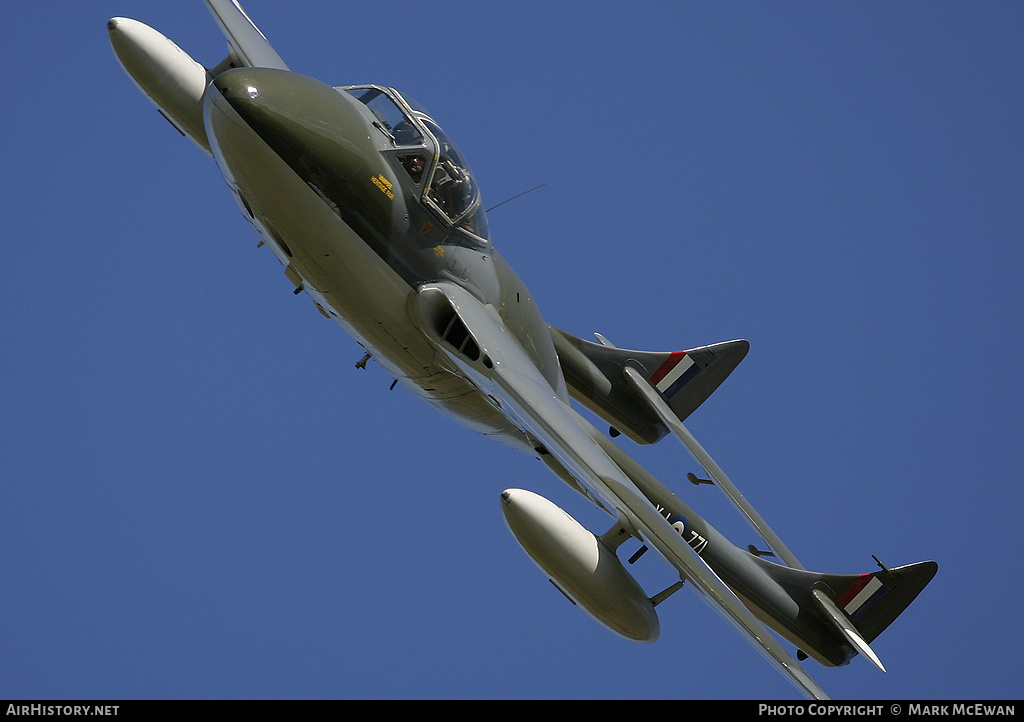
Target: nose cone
x=286, y=107
x=321, y=133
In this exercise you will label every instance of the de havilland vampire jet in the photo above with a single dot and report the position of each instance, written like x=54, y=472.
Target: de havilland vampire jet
x=375, y=214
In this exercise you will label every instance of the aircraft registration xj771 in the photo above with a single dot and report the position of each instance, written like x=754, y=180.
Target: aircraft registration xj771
x=375, y=214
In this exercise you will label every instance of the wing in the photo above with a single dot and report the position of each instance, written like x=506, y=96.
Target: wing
x=506, y=373
x=249, y=46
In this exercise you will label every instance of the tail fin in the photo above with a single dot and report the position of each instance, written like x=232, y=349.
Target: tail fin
x=873, y=601
x=857, y=606
x=685, y=379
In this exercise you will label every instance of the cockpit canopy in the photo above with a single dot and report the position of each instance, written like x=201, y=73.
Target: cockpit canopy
x=428, y=155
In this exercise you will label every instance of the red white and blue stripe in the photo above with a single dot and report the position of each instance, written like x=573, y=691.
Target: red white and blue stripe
x=674, y=373
x=862, y=595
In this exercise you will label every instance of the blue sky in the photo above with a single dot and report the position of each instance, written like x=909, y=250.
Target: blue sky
x=203, y=498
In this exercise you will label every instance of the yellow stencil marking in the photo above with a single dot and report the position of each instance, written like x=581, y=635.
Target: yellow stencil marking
x=385, y=185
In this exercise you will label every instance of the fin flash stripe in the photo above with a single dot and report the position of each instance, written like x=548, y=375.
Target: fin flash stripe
x=674, y=373
x=858, y=599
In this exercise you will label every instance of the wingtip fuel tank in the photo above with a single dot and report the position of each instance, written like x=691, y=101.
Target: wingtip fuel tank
x=580, y=565
x=165, y=73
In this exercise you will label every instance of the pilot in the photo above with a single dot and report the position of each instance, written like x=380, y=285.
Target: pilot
x=450, y=187
x=414, y=166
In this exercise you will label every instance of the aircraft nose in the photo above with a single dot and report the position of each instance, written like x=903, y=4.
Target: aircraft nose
x=271, y=100
x=238, y=86
x=321, y=133
x=243, y=84
x=289, y=110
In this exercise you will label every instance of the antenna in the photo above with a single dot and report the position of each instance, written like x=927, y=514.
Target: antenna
x=516, y=196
